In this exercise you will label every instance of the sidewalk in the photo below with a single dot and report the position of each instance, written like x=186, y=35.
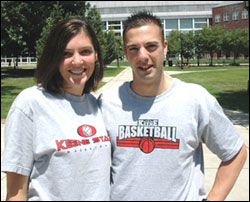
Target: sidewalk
x=240, y=191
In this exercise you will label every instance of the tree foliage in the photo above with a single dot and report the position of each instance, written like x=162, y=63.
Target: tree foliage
x=211, y=40
x=25, y=26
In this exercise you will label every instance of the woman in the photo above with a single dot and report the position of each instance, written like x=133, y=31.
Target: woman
x=56, y=144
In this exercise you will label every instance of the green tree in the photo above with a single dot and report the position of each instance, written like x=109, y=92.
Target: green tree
x=60, y=11
x=21, y=25
x=188, y=45
x=55, y=16
x=110, y=44
x=93, y=18
x=225, y=47
x=245, y=42
x=23, y=21
x=118, y=49
x=236, y=42
x=174, y=44
x=110, y=47
x=198, y=46
x=212, y=40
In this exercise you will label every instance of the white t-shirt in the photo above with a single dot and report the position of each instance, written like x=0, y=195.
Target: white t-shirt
x=60, y=142
x=157, y=141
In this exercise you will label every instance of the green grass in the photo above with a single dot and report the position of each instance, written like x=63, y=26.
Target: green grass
x=14, y=81
x=229, y=86
x=110, y=72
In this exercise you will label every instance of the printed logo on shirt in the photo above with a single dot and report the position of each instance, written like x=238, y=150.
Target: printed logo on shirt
x=147, y=135
x=85, y=131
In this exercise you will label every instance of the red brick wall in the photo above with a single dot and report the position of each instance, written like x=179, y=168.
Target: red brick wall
x=231, y=24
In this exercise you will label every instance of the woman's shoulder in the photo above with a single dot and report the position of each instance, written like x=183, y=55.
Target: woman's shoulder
x=29, y=96
x=30, y=93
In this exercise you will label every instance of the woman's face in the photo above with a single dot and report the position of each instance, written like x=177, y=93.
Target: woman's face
x=78, y=63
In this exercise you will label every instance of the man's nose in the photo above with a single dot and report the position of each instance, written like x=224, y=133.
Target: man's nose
x=143, y=54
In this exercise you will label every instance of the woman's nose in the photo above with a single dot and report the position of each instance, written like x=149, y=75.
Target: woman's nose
x=77, y=59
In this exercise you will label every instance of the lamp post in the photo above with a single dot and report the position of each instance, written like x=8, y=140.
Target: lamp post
x=181, y=37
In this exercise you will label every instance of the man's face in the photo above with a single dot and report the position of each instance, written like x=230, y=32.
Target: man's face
x=145, y=52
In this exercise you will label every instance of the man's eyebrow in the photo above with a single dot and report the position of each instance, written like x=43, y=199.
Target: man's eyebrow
x=152, y=42
x=131, y=45
x=147, y=43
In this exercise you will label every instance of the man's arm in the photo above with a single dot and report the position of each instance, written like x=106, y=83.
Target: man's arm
x=227, y=175
x=17, y=186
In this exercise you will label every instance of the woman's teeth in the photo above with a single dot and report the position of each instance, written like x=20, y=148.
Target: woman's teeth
x=77, y=71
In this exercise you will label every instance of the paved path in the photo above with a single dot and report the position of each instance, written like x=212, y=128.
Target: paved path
x=240, y=191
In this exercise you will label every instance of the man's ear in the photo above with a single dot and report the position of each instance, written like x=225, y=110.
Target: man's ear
x=165, y=47
x=125, y=51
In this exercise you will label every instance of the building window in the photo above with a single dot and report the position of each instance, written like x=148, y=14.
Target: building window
x=226, y=17
x=186, y=24
x=244, y=14
x=104, y=26
x=200, y=23
x=235, y=15
x=217, y=18
x=115, y=25
x=172, y=24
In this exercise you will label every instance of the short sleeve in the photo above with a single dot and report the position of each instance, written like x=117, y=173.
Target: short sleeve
x=220, y=136
x=18, y=154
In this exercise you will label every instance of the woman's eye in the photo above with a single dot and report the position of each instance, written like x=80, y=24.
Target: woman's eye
x=86, y=52
x=67, y=54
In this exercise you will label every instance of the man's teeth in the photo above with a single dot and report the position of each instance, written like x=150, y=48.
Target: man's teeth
x=146, y=67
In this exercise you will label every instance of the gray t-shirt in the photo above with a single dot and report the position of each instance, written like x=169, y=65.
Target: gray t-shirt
x=60, y=142
x=157, y=141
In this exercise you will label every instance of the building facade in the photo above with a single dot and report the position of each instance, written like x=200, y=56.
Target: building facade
x=231, y=14
x=184, y=16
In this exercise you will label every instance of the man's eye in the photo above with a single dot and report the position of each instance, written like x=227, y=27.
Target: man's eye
x=133, y=49
x=151, y=47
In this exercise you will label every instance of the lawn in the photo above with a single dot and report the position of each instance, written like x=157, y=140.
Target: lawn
x=14, y=81
x=228, y=86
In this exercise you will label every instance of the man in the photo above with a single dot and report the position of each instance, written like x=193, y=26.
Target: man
x=157, y=125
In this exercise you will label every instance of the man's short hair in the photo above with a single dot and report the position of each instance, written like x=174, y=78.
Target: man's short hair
x=140, y=19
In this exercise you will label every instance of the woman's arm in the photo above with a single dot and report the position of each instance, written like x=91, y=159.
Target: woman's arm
x=17, y=186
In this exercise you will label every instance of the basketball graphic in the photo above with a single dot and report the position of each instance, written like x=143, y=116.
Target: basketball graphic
x=86, y=130
x=147, y=145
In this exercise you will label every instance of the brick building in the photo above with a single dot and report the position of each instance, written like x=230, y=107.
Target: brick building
x=230, y=14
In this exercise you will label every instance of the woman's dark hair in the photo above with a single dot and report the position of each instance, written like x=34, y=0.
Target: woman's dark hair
x=47, y=73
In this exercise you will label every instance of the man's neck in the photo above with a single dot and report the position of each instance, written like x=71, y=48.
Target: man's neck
x=154, y=88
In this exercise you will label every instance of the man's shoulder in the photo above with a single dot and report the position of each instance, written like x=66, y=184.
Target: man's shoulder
x=113, y=93
x=192, y=88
